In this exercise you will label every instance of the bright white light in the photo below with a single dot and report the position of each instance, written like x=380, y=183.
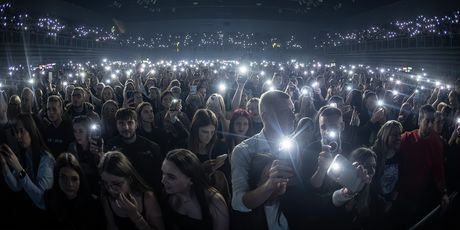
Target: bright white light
x=117, y=71
x=395, y=92
x=65, y=83
x=42, y=72
x=349, y=88
x=107, y=81
x=438, y=83
x=335, y=166
x=70, y=75
x=107, y=68
x=350, y=72
x=83, y=74
x=416, y=91
x=31, y=81
x=305, y=72
x=312, y=72
x=271, y=88
x=243, y=69
x=142, y=70
x=1, y=85
x=304, y=91
x=222, y=87
x=333, y=105
x=269, y=82
x=379, y=102
x=215, y=71
x=286, y=144
x=315, y=84
x=113, y=76
x=332, y=134
x=104, y=60
x=398, y=82
x=391, y=79
x=382, y=70
x=93, y=127
x=262, y=73
x=458, y=120
x=448, y=86
x=422, y=87
x=152, y=71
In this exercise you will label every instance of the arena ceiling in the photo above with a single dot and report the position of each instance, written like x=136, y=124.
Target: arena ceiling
x=298, y=10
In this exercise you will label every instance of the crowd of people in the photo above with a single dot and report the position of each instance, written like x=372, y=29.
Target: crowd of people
x=227, y=145
x=442, y=26
x=12, y=20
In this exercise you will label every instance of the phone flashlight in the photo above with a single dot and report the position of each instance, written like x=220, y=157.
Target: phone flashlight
x=222, y=87
x=458, y=120
x=304, y=91
x=262, y=73
x=330, y=139
x=395, y=92
x=379, y=102
x=269, y=82
x=65, y=83
x=315, y=84
x=243, y=69
x=349, y=88
x=334, y=105
x=31, y=81
x=398, y=82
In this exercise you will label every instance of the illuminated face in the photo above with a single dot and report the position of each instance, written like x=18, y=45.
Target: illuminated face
x=23, y=136
x=81, y=134
x=53, y=111
x=167, y=101
x=114, y=185
x=147, y=114
x=394, y=139
x=107, y=94
x=127, y=128
x=426, y=123
x=253, y=110
x=205, y=133
x=173, y=179
x=241, y=126
x=78, y=97
x=69, y=182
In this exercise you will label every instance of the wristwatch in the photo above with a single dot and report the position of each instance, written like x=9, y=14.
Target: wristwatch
x=21, y=174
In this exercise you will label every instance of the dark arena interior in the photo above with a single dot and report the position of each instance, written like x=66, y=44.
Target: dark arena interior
x=229, y=114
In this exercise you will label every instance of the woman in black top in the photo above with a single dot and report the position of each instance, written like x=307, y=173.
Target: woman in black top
x=127, y=201
x=69, y=201
x=192, y=203
x=86, y=151
x=146, y=120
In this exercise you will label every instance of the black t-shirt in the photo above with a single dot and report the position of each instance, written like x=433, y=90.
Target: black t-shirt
x=58, y=138
x=145, y=156
x=81, y=213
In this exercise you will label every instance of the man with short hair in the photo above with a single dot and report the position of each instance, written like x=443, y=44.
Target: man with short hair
x=58, y=133
x=79, y=107
x=422, y=183
x=145, y=155
x=276, y=111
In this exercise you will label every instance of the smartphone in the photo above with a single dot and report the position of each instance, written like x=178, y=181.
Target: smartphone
x=221, y=157
x=96, y=134
x=175, y=105
x=344, y=173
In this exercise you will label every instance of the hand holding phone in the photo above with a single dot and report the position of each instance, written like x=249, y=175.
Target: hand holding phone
x=346, y=174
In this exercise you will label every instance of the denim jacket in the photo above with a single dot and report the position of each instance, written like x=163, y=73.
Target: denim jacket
x=34, y=188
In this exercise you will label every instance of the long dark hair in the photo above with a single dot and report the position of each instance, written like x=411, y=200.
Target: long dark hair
x=56, y=201
x=116, y=163
x=139, y=109
x=203, y=117
x=189, y=164
x=37, y=144
x=231, y=138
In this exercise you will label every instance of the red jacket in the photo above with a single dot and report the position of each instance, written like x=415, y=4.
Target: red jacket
x=421, y=164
